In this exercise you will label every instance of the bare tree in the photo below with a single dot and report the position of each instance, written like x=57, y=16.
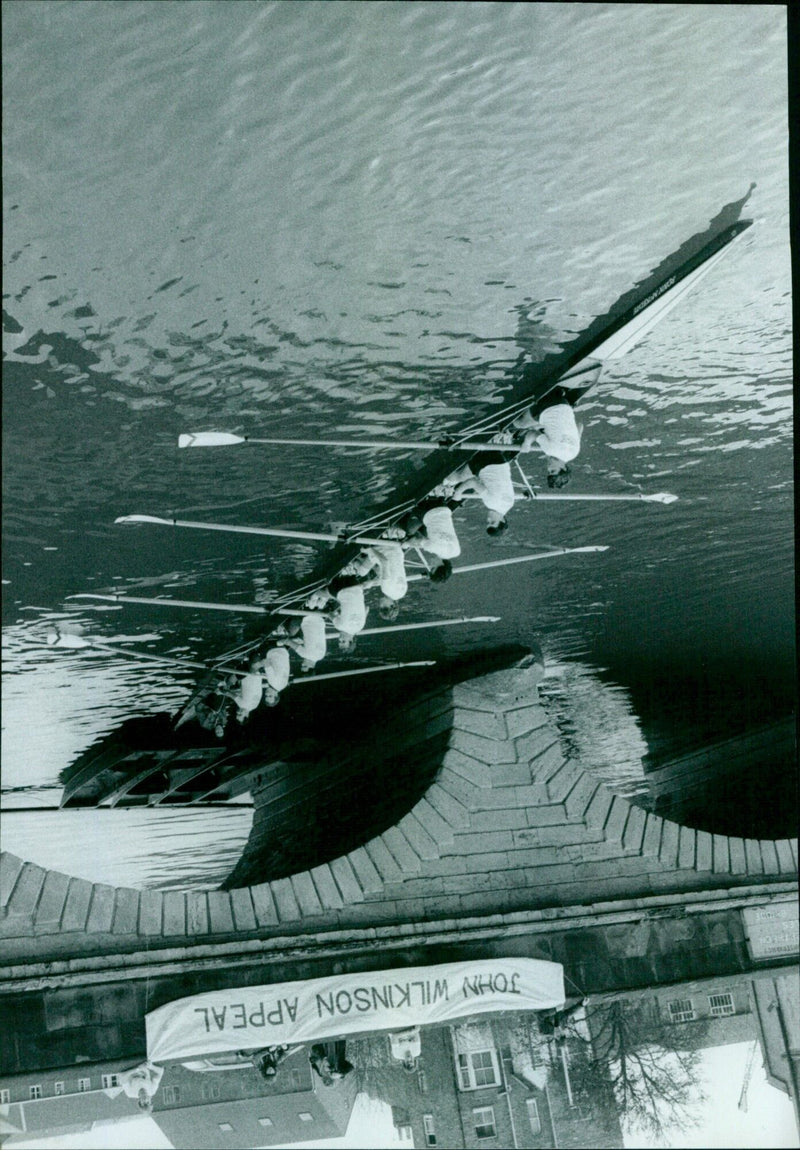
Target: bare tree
x=651, y=1065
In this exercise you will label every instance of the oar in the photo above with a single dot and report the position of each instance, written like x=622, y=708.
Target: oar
x=78, y=642
x=280, y=532
x=658, y=497
x=518, y=559
x=363, y=671
x=245, y=607
x=226, y=439
x=193, y=603
x=412, y=626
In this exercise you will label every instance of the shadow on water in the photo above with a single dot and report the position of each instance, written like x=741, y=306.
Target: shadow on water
x=329, y=769
x=722, y=744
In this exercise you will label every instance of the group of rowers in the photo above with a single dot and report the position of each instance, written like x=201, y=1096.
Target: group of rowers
x=428, y=529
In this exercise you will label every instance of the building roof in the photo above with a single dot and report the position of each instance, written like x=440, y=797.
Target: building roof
x=203, y=1127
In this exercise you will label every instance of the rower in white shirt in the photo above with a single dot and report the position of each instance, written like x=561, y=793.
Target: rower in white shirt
x=488, y=475
x=342, y=604
x=553, y=429
x=429, y=527
x=310, y=643
x=390, y=561
x=275, y=671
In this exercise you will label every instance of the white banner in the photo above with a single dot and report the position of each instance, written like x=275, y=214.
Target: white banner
x=293, y=1012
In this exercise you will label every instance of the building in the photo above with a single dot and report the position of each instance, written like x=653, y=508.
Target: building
x=496, y=1083
x=197, y=1110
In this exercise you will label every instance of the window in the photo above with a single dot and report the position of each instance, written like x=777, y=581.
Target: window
x=681, y=1010
x=84, y=1084
x=405, y=1133
x=36, y=1092
x=484, y=1122
x=430, y=1129
x=720, y=1004
x=226, y=1127
x=172, y=1094
x=5, y=1097
x=423, y=1082
x=306, y=1117
x=533, y=1116
x=297, y=1078
x=110, y=1080
x=59, y=1088
x=265, y=1121
x=210, y=1090
x=478, y=1068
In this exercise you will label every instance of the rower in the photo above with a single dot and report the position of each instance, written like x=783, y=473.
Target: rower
x=342, y=604
x=551, y=427
x=249, y=692
x=275, y=670
x=310, y=644
x=390, y=561
x=488, y=475
x=430, y=528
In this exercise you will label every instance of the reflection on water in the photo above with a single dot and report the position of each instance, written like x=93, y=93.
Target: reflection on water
x=598, y=726
x=162, y=849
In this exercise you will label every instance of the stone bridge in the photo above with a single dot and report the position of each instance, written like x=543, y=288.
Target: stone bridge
x=508, y=836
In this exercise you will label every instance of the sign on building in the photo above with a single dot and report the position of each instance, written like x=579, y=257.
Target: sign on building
x=772, y=931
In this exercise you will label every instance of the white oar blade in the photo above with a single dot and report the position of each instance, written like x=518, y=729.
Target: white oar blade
x=142, y=519
x=660, y=497
x=209, y=439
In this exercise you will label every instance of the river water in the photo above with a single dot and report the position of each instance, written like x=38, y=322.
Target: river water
x=308, y=218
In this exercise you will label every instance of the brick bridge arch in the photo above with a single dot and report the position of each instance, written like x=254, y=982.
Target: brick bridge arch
x=508, y=829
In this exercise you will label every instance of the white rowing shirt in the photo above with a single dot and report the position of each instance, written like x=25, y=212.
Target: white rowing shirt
x=276, y=668
x=441, y=538
x=391, y=562
x=248, y=696
x=497, y=493
x=352, y=612
x=560, y=436
x=313, y=646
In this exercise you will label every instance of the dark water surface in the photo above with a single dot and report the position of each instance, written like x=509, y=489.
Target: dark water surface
x=364, y=220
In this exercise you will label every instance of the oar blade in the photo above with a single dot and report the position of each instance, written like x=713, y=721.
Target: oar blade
x=660, y=497
x=210, y=439
x=142, y=519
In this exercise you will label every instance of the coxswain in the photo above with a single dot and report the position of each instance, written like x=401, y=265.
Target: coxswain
x=488, y=475
x=275, y=671
x=390, y=562
x=430, y=528
x=551, y=427
x=307, y=640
